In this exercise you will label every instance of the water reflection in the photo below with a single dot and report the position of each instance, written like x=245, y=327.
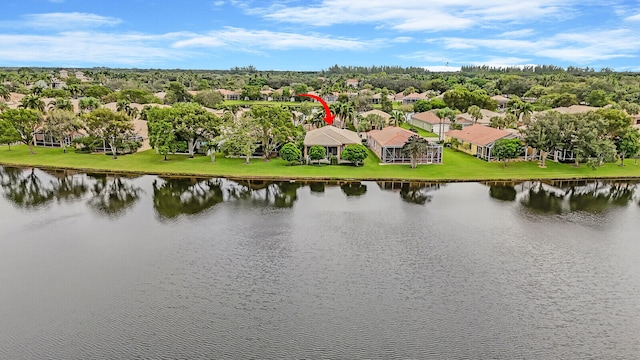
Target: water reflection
x=503, y=192
x=281, y=194
x=557, y=197
x=173, y=197
x=316, y=187
x=412, y=192
x=112, y=194
x=354, y=188
x=25, y=188
x=68, y=186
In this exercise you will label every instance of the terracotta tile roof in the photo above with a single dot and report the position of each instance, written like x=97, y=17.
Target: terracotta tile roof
x=430, y=118
x=331, y=136
x=391, y=136
x=415, y=96
x=478, y=134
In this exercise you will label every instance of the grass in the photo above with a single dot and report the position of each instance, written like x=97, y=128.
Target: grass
x=457, y=166
x=421, y=132
x=261, y=102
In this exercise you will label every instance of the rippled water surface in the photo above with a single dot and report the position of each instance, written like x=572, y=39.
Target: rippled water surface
x=104, y=267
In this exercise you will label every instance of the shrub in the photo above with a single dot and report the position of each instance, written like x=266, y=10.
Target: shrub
x=290, y=152
x=317, y=152
x=333, y=159
x=355, y=153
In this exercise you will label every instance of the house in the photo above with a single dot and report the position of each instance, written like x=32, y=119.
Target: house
x=412, y=98
x=352, y=83
x=381, y=113
x=80, y=76
x=428, y=121
x=575, y=109
x=501, y=100
x=333, y=139
x=388, y=142
x=231, y=95
x=330, y=98
x=58, y=84
x=63, y=74
x=478, y=140
x=484, y=120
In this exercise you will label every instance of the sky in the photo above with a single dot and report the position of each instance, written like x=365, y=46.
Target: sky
x=313, y=35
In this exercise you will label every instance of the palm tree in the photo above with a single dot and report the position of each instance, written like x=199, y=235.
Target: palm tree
x=32, y=102
x=363, y=125
x=74, y=90
x=123, y=105
x=474, y=111
x=442, y=114
x=88, y=104
x=316, y=119
x=233, y=110
x=61, y=104
x=345, y=111
x=376, y=121
x=5, y=94
x=415, y=147
x=526, y=109
x=397, y=117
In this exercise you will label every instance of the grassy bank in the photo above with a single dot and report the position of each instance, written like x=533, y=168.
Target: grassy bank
x=458, y=166
x=421, y=132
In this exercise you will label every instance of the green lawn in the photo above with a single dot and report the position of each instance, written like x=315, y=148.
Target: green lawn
x=260, y=102
x=457, y=166
x=421, y=132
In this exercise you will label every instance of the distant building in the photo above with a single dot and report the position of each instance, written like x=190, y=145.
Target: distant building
x=352, y=83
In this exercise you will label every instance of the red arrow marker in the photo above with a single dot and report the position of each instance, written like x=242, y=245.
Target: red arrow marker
x=328, y=117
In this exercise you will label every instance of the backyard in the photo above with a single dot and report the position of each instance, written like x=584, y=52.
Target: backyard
x=457, y=166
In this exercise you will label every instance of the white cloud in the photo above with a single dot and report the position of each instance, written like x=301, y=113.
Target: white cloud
x=426, y=56
x=518, y=33
x=65, y=21
x=581, y=48
x=503, y=62
x=416, y=15
x=402, y=39
x=89, y=47
x=251, y=40
x=635, y=17
x=218, y=3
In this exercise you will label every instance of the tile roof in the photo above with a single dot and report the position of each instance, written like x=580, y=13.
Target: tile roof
x=331, y=136
x=500, y=98
x=575, y=109
x=391, y=136
x=376, y=112
x=430, y=118
x=415, y=96
x=478, y=134
x=486, y=116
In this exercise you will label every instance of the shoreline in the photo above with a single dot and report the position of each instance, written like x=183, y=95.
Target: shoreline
x=313, y=178
x=457, y=167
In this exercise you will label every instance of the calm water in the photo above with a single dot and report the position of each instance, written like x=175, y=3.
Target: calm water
x=104, y=267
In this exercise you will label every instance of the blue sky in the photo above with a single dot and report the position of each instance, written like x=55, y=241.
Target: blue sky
x=316, y=34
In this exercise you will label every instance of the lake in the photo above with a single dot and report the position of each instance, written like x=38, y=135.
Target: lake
x=106, y=267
